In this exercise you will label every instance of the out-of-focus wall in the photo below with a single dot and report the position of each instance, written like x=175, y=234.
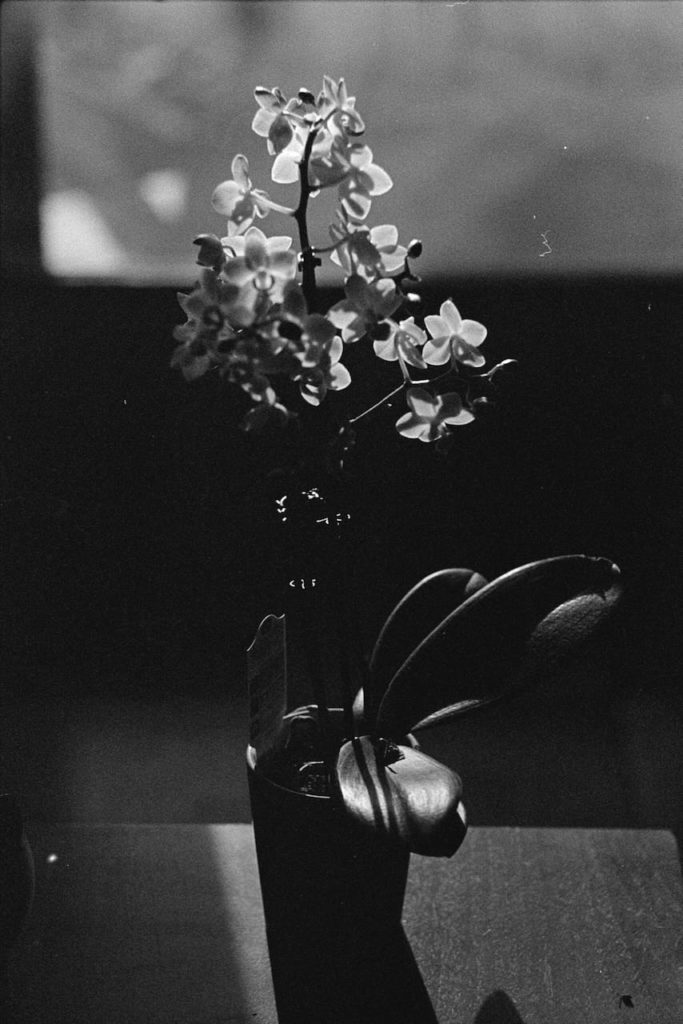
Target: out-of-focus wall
x=522, y=137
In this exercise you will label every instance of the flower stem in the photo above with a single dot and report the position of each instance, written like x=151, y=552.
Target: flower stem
x=377, y=404
x=308, y=257
x=406, y=381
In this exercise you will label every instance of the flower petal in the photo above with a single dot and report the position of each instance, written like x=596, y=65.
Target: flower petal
x=322, y=331
x=294, y=301
x=240, y=171
x=472, y=332
x=336, y=349
x=408, y=351
x=342, y=314
x=238, y=272
x=285, y=170
x=386, y=350
x=451, y=315
x=356, y=204
x=384, y=234
x=358, y=291
x=411, y=426
x=421, y=402
x=394, y=261
x=437, y=352
x=416, y=334
x=381, y=182
x=340, y=377
x=262, y=122
x=279, y=243
x=437, y=326
x=255, y=249
x=279, y=134
x=466, y=354
x=282, y=263
x=267, y=99
x=225, y=196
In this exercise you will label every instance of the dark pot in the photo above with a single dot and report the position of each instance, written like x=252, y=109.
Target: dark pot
x=333, y=898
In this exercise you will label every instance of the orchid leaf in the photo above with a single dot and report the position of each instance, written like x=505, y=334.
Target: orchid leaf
x=402, y=793
x=414, y=617
x=507, y=634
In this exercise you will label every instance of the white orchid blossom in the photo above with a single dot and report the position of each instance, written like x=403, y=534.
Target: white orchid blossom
x=366, y=305
x=402, y=342
x=453, y=338
x=431, y=415
x=239, y=201
x=254, y=316
x=264, y=266
x=371, y=252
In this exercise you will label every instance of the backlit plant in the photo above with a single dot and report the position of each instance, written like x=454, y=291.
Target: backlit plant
x=254, y=318
x=454, y=642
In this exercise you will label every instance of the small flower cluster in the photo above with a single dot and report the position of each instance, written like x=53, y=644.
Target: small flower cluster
x=252, y=315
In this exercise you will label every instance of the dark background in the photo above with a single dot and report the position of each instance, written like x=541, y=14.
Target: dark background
x=136, y=568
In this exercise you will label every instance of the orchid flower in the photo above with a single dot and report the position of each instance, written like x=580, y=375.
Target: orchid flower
x=271, y=121
x=254, y=316
x=239, y=201
x=402, y=342
x=339, y=109
x=327, y=373
x=453, y=338
x=207, y=308
x=371, y=252
x=366, y=305
x=264, y=266
x=431, y=415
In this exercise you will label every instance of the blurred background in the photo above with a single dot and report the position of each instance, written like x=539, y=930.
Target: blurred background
x=537, y=150
x=522, y=137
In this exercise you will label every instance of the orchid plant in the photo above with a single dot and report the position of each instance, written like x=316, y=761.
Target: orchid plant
x=254, y=317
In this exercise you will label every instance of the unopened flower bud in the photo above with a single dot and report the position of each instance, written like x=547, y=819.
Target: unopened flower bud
x=413, y=298
x=210, y=251
x=415, y=249
x=306, y=96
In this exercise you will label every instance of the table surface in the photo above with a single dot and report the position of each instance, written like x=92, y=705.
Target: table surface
x=163, y=924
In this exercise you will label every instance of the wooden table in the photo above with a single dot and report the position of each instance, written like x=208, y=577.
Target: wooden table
x=162, y=924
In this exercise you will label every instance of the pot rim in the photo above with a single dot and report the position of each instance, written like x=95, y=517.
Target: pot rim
x=252, y=765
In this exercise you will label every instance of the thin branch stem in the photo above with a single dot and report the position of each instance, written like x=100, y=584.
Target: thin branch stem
x=277, y=207
x=307, y=255
x=404, y=383
x=377, y=404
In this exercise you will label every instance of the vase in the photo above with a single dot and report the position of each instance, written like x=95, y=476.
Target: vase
x=332, y=889
x=312, y=522
x=332, y=897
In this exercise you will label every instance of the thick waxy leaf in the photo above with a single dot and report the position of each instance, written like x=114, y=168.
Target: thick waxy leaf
x=420, y=611
x=412, y=799
x=505, y=635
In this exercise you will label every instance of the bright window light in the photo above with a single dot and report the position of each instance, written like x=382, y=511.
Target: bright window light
x=522, y=138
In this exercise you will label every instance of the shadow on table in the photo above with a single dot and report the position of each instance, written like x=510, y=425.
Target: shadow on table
x=498, y=1008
